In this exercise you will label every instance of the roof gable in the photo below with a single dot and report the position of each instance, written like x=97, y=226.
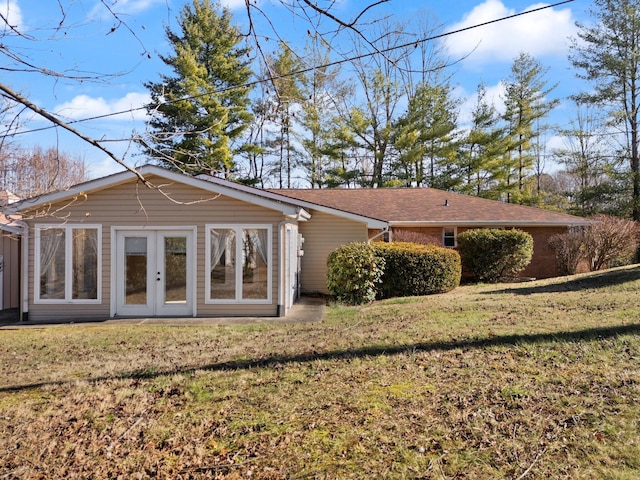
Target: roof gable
x=289, y=209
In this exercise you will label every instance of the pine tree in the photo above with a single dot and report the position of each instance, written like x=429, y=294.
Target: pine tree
x=526, y=103
x=323, y=92
x=609, y=57
x=199, y=113
x=286, y=83
x=425, y=137
x=483, y=149
x=586, y=160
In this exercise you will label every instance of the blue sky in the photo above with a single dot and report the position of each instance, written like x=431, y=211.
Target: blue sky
x=85, y=45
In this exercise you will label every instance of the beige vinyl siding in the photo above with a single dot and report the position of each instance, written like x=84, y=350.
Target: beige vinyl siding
x=134, y=205
x=322, y=234
x=10, y=250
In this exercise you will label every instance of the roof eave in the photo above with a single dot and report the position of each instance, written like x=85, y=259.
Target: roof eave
x=9, y=228
x=489, y=223
x=372, y=223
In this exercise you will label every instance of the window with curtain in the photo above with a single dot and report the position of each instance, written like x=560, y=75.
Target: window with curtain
x=240, y=263
x=67, y=262
x=52, y=267
x=222, y=244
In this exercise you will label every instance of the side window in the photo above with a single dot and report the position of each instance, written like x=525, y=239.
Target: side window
x=67, y=263
x=449, y=237
x=240, y=263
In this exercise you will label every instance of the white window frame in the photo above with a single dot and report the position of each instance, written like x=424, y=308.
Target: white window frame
x=238, y=228
x=455, y=237
x=68, y=264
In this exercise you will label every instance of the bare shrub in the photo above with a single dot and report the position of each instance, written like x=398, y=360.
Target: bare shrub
x=411, y=236
x=611, y=241
x=608, y=242
x=569, y=248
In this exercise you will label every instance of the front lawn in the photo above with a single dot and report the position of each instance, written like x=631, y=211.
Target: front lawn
x=531, y=380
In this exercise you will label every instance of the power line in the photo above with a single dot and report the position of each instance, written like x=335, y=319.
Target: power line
x=413, y=43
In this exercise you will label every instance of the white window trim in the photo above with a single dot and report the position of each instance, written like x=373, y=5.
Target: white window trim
x=68, y=266
x=238, y=230
x=455, y=237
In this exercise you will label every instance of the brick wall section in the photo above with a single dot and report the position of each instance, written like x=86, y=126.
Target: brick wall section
x=543, y=264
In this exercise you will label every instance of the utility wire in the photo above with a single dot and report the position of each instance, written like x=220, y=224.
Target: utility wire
x=413, y=43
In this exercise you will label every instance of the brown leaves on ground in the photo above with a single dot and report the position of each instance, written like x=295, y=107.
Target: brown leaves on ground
x=527, y=381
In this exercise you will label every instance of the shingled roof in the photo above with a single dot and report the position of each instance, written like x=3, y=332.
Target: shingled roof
x=408, y=206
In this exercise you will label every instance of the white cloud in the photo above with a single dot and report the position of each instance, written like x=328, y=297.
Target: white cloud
x=124, y=7
x=233, y=4
x=545, y=32
x=494, y=95
x=133, y=7
x=12, y=13
x=84, y=106
x=102, y=168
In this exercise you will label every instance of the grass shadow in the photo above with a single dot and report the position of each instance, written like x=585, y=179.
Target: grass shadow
x=591, y=281
x=367, y=351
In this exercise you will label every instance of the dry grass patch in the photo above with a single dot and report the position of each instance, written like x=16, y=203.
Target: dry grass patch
x=493, y=381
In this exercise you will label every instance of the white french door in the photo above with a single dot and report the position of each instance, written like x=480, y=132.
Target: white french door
x=155, y=273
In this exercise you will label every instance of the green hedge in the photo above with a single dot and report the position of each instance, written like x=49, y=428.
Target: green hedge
x=412, y=269
x=354, y=272
x=490, y=255
x=361, y=272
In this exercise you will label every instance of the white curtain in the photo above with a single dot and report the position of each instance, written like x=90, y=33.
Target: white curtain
x=50, y=240
x=85, y=263
x=262, y=243
x=219, y=240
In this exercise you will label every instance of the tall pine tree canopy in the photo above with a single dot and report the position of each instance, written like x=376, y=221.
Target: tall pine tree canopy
x=609, y=58
x=199, y=113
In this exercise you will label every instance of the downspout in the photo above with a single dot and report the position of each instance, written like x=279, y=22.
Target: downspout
x=281, y=265
x=384, y=230
x=24, y=273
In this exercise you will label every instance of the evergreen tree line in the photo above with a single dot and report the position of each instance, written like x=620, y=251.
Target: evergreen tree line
x=393, y=119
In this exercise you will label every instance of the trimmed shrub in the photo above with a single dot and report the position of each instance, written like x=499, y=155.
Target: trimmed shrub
x=412, y=269
x=354, y=272
x=490, y=255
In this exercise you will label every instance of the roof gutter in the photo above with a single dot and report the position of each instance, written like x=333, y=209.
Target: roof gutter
x=301, y=216
x=486, y=223
x=379, y=234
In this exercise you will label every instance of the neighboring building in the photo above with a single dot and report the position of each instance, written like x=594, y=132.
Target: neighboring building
x=206, y=247
x=9, y=260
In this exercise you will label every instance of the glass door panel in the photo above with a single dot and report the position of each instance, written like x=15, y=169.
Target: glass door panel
x=135, y=270
x=175, y=273
x=175, y=268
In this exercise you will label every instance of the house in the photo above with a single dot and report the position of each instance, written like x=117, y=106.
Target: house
x=437, y=216
x=158, y=243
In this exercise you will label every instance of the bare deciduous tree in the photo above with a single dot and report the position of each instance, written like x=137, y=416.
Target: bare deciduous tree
x=28, y=173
